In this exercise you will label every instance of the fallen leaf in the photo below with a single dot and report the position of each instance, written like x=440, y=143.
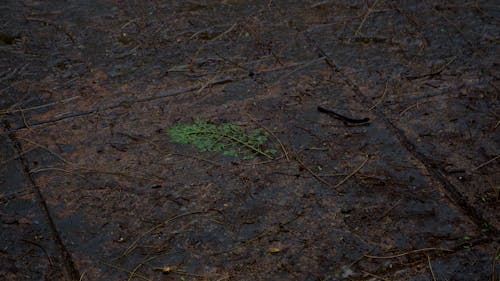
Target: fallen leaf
x=273, y=250
x=167, y=269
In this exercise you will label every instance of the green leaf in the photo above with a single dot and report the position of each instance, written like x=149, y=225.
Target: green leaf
x=230, y=139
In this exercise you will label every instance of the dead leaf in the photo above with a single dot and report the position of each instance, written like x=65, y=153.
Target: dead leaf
x=273, y=250
x=167, y=269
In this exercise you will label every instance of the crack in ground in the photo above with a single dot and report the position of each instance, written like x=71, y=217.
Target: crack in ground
x=436, y=173
x=70, y=272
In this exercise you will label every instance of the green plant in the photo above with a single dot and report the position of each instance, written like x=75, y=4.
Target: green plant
x=230, y=139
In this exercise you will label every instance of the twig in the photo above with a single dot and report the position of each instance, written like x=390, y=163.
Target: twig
x=134, y=271
x=374, y=275
x=381, y=98
x=24, y=121
x=207, y=84
x=412, y=106
x=161, y=95
x=311, y=172
x=232, y=62
x=408, y=253
x=430, y=267
x=41, y=247
x=370, y=10
x=113, y=173
x=389, y=210
x=262, y=234
x=225, y=32
x=261, y=162
x=16, y=156
x=346, y=120
x=485, y=163
x=437, y=72
x=180, y=272
x=352, y=173
x=39, y=106
x=302, y=67
x=58, y=27
x=85, y=169
x=285, y=152
x=483, y=12
x=198, y=158
x=46, y=149
x=125, y=270
x=11, y=74
x=255, y=238
x=493, y=265
x=134, y=243
x=216, y=38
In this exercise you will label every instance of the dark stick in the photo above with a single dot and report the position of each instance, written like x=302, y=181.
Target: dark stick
x=342, y=117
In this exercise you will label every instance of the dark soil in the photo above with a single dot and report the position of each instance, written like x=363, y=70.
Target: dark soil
x=91, y=187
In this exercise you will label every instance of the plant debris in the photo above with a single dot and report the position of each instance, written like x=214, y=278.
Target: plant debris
x=228, y=138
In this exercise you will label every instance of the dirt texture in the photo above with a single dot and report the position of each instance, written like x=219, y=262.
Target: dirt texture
x=92, y=187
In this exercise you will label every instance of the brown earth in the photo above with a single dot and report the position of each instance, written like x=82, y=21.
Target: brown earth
x=91, y=187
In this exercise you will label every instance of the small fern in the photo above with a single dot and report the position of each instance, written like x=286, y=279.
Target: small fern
x=230, y=139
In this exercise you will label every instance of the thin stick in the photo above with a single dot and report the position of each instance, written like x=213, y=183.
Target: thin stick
x=280, y=143
x=410, y=107
x=493, y=265
x=25, y=122
x=46, y=149
x=485, y=163
x=408, y=253
x=311, y=172
x=84, y=169
x=58, y=27
x=261, y=162
x=381, y=98
x=120, y=174
x=225, y=32
x=370, y=10
x=430, y=267
x=199, y=158
x=262, y=234
x=434, y=73
x=180, y=272
x=134, y=271
x=390, y=209
x=207, y=84
x=16, y=156
x=215, y=38
x=255, y=238
x=352, y=173
x=376, y=276
x=302, y=67
x=125, y=270
x=134, y=243
x=41, y=247
x=285, y=152
x=39, y=106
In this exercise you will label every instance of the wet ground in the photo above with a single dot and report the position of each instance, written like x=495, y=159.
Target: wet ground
x=91, y=188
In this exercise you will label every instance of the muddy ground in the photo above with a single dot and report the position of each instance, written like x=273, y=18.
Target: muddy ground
x=91, y=187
